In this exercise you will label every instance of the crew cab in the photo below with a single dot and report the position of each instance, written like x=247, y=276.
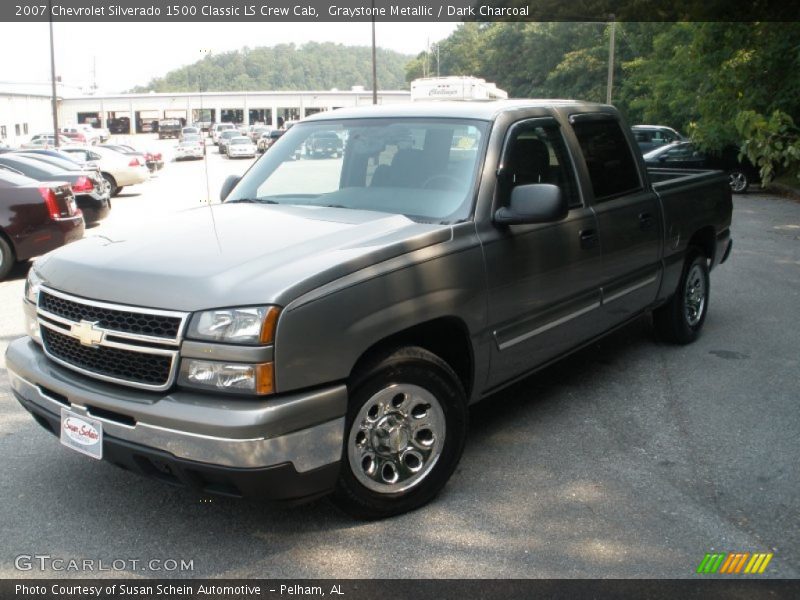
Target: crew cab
x=325, y=329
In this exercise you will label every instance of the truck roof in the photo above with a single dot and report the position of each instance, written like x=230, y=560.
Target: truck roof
x=481, y=110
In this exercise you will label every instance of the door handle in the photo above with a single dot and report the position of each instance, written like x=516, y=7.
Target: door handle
x=646, y=221
x=588, y=238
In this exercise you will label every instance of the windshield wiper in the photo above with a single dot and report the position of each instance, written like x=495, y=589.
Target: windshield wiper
x=252, y=200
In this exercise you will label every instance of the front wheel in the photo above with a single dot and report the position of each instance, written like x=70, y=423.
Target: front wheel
x=405, y=433
x=681, y=319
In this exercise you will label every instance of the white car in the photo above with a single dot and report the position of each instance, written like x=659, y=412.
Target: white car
x=119, y=170
x=191, y=147
x=46, y=140
x=241, y=147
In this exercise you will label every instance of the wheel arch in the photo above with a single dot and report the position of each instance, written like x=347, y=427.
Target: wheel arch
x=446, y=337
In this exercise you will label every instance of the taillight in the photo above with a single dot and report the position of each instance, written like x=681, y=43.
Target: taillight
x=52, y=202
x=157, y=155
x=148, y=156
x=134, y=162
x=80, y=137
x=84, y=184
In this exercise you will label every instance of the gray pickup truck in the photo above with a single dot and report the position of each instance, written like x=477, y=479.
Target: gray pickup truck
x=325, y=328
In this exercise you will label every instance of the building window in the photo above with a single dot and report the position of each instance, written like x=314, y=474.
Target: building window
x=3, y=132
x=16, y=129
x=25, y=128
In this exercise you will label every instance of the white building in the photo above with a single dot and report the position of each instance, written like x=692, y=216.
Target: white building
x=24, y=113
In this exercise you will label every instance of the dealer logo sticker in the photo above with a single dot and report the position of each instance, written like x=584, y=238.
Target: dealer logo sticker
x=81, y=433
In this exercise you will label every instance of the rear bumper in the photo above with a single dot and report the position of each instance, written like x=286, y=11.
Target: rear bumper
x=50, y=236
x=285, y=448
x=95, y=208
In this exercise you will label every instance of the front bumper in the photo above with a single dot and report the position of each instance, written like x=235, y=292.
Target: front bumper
x=284, y=448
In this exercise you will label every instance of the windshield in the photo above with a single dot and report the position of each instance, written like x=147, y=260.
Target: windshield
x=237, y=141
x=422, y=168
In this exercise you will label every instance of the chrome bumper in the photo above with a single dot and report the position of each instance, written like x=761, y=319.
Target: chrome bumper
x=306, y=429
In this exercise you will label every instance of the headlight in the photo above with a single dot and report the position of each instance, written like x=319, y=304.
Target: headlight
x=249, y=325
x=227, y=377
x=32, y=285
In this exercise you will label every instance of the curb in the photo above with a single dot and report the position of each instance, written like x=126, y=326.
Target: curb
x=784, y=190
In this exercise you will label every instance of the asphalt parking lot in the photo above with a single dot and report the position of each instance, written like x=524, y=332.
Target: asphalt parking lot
x=628, y=459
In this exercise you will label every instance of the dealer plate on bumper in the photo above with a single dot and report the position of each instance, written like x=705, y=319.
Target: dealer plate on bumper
x=82, y=433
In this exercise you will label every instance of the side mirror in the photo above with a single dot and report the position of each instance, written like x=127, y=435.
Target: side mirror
x=662, y=157
x=227, y=186
x=533, y=203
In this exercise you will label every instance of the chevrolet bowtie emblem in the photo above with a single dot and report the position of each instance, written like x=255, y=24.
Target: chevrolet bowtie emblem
x=87, y=334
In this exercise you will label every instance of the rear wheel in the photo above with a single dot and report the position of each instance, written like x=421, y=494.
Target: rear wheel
x=681, y=319
x=7, y=258
x=112, y=184
x=739, y=182
x=118, y=190
x=405, y=433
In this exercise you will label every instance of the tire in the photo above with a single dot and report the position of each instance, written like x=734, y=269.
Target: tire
x=113, y=189
x=118, y=191
x=681, y=319
x=738, y=181
x=7, y=258
x=404, y=435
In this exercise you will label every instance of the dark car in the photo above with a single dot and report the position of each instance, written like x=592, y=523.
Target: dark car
x=91, y=192
x=685, y=155
x=63, y=162
x=225, y=137
x=323, y=145
x=169, y=128
x=267, y=139
x=35, y=218
x=650, y=137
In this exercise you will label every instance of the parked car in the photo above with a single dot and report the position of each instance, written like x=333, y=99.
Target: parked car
x=340, y=322
x=217, y=129
x=90, y=190
x=203, y=126
x=47, y=140
x=240, y=147
x=256, y=131
x=153, y=160
x=324, y=144
x=117, y=169
x=169, y=128
x=79, y=135
x=225, y=137
x=267, y=139
x=63, y=160
x=190, y=147
x=685, y=155
x=190, y=131
x=57, y=153
x=650, y=137
x=35, y=217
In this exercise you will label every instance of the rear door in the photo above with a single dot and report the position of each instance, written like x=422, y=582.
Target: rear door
x=628, y=214
x=543, y=279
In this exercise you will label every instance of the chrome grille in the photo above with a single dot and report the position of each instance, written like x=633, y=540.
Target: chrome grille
x=123, y=365
x=128, y=345
x=125, y=321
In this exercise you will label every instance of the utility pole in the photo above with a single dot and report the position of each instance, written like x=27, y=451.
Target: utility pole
x=610, y=82
x=53, y=74
x=374, y=64
x=437, y=60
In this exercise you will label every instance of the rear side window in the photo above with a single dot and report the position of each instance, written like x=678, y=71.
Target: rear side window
x=612, y=168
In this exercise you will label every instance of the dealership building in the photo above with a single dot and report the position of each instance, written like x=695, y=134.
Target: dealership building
x=24, y=113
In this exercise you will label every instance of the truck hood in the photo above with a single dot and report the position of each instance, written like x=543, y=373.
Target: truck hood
x=233, y=255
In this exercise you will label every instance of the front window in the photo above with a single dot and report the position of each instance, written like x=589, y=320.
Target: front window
x=422, y=168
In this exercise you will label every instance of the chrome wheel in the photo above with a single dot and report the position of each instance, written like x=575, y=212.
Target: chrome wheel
x=738, y=181
x=396, y=438
x=695, y=296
